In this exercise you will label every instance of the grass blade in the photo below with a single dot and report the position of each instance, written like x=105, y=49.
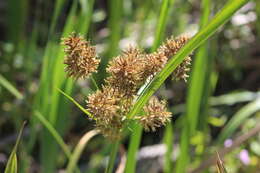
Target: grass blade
x=53, y=132
x=238, y=119
x=79, y=149
x=161, y=25
x=5, y=83
x=11, y=166
x=168, y=141
x=77, y=104
x=198, y=75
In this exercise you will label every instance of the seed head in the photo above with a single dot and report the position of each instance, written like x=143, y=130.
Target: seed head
x=181, y=71
x=80, y=57
x=154, y=62
x=156, y=115
x=104, y=105
x=170, y=48
x=126, y=71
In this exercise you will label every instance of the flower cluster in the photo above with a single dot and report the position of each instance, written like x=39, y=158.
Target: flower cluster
x=80, y=57
x=156, y=115
x=127, y=73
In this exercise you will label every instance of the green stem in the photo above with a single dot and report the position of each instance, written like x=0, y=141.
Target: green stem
x=112, y=157
x=135, y=141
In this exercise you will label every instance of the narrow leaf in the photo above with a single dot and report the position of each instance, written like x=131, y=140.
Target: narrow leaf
x=5, y=83
x=79, y=149
x=11, y=166
x=76, y=103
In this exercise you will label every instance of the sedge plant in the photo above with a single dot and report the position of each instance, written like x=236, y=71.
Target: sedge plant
x=117, y=103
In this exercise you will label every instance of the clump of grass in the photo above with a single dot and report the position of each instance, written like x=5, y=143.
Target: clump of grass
x=127, y=73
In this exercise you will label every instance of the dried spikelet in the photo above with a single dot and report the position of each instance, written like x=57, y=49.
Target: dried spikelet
x=126, y=71
x=80, y=57
x=104, y=105
x=181, y=71
x=108, y=108
x=170, y=48
x=154, y=62
x=156, y=115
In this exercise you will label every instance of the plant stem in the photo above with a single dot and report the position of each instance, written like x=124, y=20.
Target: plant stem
x=112, y=156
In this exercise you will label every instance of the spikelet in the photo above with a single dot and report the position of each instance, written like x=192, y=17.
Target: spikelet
x=104, y=105
x=154, y=62
x=181, y=71
x=156, y=115
x=80, y=57
x=108, y=110
x=126, y=71
x=170, y=48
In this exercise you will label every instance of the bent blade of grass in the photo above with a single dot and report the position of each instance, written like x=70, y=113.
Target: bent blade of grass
x=238, y=119
x=221, y=17
x=11, y=166
x=233, y=98
x=6, y=84
x=79, y=149
x=77, y=104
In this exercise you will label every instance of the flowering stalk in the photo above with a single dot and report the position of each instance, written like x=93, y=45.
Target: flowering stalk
x=111, y=104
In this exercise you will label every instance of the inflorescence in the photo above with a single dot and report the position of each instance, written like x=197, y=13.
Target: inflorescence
x=127, y=73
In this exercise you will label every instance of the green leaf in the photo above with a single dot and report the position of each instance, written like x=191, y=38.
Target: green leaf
x=5, y=83
x=238, y=119
x=77, y=104
x=11, y=166
x=79, y=149
x=53, y=132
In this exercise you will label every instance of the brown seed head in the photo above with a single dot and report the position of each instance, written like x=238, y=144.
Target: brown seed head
x=107, y=106
x=154, y=62
x=80, y=57
x=156, y=115
x=170, y=48
x=104, y=105
x=181, y=71
x=126, y=71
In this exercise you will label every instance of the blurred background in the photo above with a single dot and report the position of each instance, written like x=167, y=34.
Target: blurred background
x=223, y=91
